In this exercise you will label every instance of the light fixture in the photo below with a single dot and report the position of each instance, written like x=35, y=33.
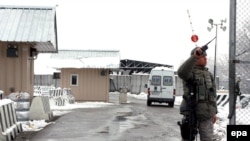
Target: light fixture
x=103, y=72
x=223, y=28
x=209, y=28
x=33, y=53
x=56, y=75
x=211, y=21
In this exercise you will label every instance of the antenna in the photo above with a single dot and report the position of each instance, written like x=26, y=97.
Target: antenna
x=194, y=37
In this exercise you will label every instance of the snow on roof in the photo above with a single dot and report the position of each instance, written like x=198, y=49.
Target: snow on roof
x=85, y=59
x=162, y=68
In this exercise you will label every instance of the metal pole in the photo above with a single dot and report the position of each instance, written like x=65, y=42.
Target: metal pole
x=215, y=52
x=232, y=69
x=211, y=22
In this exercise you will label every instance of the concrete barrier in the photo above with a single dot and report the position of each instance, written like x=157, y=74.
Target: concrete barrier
x=56, y=97
x=68, y=94
x=58, y=101
x=42, y=90
x=37, y=91
x=40, y=109
x=222, y=99
x=56, y=92
x=9, y=126
x=123, y=95
x=245, y=100
x=61, y=97
x=22, y=105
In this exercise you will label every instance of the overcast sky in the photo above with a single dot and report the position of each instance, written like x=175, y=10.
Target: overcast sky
x=157, y=31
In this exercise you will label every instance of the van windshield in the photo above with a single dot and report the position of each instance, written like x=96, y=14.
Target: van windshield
x=156, y=80
x=168, y=81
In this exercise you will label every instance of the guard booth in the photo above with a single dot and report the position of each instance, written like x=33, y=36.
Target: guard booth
x=26, y=31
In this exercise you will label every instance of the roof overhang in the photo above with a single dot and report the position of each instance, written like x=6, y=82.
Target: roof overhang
x=32, y=25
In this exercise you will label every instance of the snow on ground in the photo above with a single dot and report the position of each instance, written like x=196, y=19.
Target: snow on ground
x=219, y=126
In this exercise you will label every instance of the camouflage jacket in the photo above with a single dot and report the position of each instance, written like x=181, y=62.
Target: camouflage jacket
x=205, y=90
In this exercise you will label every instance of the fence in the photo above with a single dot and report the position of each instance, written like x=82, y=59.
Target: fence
x=239, y=48
x=46, y=80
x=134, y=83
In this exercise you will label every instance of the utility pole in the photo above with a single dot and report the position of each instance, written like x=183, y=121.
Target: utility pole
x=212, y=24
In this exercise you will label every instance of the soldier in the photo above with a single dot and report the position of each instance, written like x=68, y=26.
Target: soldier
x=237, y=87
x=199, y=80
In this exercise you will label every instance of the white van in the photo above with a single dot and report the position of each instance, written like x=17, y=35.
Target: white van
x=161, y=86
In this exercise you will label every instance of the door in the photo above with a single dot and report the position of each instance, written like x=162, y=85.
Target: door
x=167, y=86
x=155, y=86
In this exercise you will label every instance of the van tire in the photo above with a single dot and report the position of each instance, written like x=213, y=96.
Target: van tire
x=149, y=102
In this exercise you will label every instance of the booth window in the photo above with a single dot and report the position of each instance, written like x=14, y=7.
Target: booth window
x=74, y=80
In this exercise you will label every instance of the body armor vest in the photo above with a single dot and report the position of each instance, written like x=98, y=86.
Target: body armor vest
x=205, y=94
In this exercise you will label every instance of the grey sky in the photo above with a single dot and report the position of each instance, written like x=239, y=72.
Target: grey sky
x=147, y=30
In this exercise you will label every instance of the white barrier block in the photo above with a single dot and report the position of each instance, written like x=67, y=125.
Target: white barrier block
x=22, y=115
x=61, y=97
x=40, y=109
x=123, y=95
x=222, y=99
x=9, y=126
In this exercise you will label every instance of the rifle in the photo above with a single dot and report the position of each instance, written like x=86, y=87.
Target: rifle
x=188, y=125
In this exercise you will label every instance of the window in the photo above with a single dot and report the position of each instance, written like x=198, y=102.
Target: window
x=74, y=80
x=156, y=80
x=168, y=81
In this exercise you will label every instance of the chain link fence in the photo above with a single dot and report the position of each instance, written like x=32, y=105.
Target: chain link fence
x=239, y=64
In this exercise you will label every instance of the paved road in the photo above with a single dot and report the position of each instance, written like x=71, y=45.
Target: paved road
x=132, y=121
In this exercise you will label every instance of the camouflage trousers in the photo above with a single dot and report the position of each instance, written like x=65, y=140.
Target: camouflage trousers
x=205, y=130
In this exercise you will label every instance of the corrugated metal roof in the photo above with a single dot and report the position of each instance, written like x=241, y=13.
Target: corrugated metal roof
x=26, y=24
x=85, y=59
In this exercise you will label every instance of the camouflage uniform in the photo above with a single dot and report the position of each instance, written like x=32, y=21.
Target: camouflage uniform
x=206, y=106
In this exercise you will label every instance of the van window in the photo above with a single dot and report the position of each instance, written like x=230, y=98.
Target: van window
x=168, y=81
x=156, y=80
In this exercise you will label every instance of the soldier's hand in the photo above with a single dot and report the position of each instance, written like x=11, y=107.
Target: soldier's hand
x=198, y=53
x=214, y=119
